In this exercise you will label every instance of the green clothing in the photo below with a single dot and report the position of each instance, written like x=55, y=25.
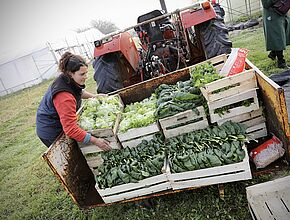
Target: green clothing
x=276, y=27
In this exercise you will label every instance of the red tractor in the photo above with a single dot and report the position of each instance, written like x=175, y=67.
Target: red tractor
x=165, y=42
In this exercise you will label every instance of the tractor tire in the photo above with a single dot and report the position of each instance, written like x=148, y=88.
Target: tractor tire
x=107, y=73
x=215, y=35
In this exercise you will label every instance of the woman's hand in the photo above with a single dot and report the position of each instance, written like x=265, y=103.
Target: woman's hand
x=101, y=143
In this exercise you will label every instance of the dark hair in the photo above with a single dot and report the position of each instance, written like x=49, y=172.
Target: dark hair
x=70, y=63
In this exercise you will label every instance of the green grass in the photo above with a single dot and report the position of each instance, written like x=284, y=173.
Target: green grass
x=253, y=40
x=29, y=190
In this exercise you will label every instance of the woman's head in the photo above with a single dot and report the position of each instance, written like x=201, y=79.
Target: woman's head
x=74, y=66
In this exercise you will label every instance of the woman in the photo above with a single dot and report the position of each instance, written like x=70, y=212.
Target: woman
x=276, y=31
x=58, y=107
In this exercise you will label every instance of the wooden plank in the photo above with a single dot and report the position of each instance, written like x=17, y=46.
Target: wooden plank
x=213, y=175
x=231, y=177
x=94, y=161
x=135, y=142
x=138, y=132
x=243, y=117
x=234, y=112
x=186, y=128
x=137, y=193
x=207, y=172
x=257, y=134
x=133, y=186
x=232, y=91
x=256, y=127
x=248, y=75
x=255, y=121
x=91, y=148
x=233, y=99
x=181, y=117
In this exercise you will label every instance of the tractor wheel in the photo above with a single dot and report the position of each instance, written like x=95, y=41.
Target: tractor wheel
x=215, y=35
x=107, y=73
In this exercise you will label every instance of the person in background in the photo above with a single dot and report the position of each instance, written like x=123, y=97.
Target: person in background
x=58, y=107
x=276, y=31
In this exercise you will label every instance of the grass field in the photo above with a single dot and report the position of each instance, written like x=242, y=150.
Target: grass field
x=29, y=190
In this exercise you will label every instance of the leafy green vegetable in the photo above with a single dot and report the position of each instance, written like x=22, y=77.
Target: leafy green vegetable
x=138, y=114
x=100, y=112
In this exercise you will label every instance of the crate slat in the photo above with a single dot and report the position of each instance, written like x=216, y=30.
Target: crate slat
x=243, y=117
x=143, y=187
x=242, y=80
x=137, y=193
x=94, y=161
x=233, y=99
x=258, y=134
x=183, y=117
x=135, y=142
x=255, y=122
x=215, y=117
x=133, y=186
x=137, y=132
x=213, y=175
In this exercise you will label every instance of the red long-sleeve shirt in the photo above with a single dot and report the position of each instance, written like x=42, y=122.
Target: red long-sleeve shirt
x=65, y=105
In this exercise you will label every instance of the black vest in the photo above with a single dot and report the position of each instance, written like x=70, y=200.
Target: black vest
x=48, y=124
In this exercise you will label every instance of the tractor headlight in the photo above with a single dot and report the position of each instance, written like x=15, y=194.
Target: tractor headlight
x=98, y=43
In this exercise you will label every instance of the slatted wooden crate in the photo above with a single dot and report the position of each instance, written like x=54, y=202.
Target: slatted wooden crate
x=255, y=122
x=218, y=62
x=183, y=122
x=270, y=200
x=134, y=136
x=108, y=134
x=132, y=190
x=90, y=149
x=229, y=91
x=213, y=175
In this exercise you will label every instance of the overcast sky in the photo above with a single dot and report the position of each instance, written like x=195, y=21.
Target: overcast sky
x=27, y=24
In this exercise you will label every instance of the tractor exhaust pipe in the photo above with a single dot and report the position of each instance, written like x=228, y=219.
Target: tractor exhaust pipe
x=163, y=6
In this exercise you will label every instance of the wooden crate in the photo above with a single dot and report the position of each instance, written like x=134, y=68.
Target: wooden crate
x=231, y=90
x=108, y=134
x=270, y=200
x=87, y=149
x=218, y=62
x=213, y=175
x=132, y=190
x=255, y=122
x=134, y=136
x=183, y=122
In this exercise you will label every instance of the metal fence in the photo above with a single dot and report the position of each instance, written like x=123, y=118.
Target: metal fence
x=235, y=9
x=32, y=68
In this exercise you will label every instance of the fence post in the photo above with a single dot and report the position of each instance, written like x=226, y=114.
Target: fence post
x=52, y=51
x=4, y=86
x=37, y=68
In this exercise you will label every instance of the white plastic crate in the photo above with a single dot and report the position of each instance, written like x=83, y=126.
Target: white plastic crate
x=270, y=200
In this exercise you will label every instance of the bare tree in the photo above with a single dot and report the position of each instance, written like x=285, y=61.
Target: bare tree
x=105, y=27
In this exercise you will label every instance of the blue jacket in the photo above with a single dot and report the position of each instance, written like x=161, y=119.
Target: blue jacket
x=48, y=124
